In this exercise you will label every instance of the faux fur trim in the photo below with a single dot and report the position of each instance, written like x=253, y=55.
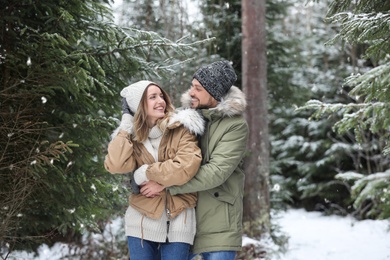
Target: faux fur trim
x=233, y=103
x=190, y=119
x=140, y=174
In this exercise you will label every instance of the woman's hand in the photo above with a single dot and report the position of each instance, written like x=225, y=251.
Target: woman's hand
x=151, y=189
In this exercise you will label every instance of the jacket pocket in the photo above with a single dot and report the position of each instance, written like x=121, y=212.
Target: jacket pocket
x=213, y=212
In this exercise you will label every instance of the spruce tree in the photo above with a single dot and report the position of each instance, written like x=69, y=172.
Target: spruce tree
x=305, y=156
x=62, y=66
x=364, y=26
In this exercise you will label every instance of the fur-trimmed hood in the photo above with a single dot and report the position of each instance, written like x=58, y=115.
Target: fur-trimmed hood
x=189, y=118
x=232, y=104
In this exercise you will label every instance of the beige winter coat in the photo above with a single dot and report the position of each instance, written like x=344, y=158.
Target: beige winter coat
x=179, y=159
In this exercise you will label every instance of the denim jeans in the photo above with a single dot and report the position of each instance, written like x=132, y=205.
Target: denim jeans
x=217, y=255
x=148, y=250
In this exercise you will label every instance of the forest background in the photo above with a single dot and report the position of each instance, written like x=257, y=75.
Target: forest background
x=63, y=64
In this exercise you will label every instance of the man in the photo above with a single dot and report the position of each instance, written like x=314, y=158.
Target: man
x=220, y=180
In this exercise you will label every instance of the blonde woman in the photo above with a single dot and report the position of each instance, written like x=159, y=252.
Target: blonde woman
x=157, y=144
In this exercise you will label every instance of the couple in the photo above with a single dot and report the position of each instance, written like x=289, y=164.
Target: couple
x=177, y=172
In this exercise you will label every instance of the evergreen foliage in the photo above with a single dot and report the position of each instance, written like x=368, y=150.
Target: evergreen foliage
x=171, y=19
x=365, y=25
x=306, y=156
x=62, y=66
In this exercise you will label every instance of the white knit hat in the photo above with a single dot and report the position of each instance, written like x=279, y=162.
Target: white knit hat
x=133, y=93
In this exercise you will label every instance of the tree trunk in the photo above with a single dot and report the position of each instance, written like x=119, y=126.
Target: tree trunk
x=254, y=82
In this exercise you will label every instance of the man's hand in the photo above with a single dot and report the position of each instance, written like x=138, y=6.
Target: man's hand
x=151, y=189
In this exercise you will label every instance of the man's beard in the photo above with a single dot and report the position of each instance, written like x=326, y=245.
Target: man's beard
x=201, y=106
x=204, y=106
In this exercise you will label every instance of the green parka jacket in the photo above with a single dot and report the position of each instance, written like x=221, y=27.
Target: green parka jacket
x=220, y=179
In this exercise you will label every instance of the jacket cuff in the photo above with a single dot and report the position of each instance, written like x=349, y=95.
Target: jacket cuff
x=140, y=174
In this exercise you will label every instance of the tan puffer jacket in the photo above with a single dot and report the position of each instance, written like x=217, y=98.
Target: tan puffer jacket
x=179, y=159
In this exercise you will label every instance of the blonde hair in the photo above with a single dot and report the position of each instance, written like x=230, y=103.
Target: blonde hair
x=141, y=128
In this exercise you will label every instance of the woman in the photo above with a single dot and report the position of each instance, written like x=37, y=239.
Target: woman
x=158, y=144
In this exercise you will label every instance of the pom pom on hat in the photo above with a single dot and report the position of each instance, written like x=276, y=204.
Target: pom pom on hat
x=133, y=93
x=217, y=78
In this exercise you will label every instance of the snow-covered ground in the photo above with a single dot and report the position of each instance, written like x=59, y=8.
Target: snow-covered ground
x=317, y=237
x=312, y=237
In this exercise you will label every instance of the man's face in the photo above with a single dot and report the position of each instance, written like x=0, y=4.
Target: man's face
x=200, y=98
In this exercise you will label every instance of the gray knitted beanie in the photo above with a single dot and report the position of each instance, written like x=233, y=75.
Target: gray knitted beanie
x=217, y=78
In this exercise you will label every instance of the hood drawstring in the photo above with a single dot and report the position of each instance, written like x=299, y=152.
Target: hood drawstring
x=185, y=216
x=142, y=231
x=168, y=212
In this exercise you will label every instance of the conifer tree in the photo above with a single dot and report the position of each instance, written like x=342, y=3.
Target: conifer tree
x=364, y=24
x=62, y=66
x=303, y=153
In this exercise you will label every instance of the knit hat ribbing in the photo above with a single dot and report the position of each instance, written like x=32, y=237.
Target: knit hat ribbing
x=133, y=93
x=217, y=78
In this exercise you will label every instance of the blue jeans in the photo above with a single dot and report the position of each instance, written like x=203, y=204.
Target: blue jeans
x=217, y=255
x=149, y=250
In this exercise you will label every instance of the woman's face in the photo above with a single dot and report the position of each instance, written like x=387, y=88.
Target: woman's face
x=155, y=105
